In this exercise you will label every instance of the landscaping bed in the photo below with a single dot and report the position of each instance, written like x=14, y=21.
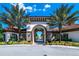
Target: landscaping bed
x=11, y=42
x=47, y=43
x=63, y=43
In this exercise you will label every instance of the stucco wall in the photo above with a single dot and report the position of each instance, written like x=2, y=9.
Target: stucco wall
x=74, y=35
x=7, y=36
x=31, y=26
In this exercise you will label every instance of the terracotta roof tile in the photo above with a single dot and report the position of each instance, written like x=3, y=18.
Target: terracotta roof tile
x=67, y=27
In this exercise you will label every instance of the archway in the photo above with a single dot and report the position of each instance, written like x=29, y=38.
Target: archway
x=39, y=34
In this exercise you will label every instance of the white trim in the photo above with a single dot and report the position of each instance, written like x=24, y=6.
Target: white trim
x=44, y=33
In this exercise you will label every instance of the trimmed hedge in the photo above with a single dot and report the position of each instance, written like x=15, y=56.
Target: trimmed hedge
x=47, y=43
x=11, y=42
x=63, y=43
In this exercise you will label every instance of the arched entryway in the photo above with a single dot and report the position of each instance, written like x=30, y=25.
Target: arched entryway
x=39, y=34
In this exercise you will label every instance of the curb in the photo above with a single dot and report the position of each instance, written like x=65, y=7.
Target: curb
x=61, y=46
x=51, y=46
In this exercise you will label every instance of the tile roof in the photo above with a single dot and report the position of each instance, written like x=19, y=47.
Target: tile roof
x=72, y=27
x=67, y=27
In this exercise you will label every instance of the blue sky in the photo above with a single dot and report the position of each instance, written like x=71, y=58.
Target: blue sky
x=38, y=9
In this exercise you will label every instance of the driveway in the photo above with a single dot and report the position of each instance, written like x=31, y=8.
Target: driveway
x=38, y=50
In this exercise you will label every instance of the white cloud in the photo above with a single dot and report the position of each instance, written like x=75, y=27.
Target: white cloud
x=21, y=5
x=47, y=6
x=29, y=8
x=44, y=9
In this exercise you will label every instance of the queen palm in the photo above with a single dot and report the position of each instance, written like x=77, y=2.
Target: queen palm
x=62, y=16
x=15, y=17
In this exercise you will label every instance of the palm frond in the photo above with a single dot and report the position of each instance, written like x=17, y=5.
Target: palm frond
x=69, y=9
x=72, y=15
x=8, y=10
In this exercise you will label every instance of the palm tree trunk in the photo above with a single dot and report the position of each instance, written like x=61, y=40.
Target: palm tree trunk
x=19, y=35
x=60, y=31
x=26, y=33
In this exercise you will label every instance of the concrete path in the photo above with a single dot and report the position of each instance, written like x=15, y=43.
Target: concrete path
x=38, y=50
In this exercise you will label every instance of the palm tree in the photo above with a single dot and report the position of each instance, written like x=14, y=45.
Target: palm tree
x=62, y=16
x=15, y=17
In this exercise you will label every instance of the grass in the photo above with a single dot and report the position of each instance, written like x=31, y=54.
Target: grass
x=65, y=43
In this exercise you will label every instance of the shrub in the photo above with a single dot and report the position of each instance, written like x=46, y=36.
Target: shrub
x=64, y=43
x=66, y=39
x=2, y=43
x=75, y=44
x=1, y=37
x=69, y=39
x=10, y=42
x=29, y=41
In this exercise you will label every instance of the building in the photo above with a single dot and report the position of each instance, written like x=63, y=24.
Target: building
x=38, y=24
x=71, y=31
x=38, y=31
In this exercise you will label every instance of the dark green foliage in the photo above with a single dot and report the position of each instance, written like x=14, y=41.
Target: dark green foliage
x=66, y=39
